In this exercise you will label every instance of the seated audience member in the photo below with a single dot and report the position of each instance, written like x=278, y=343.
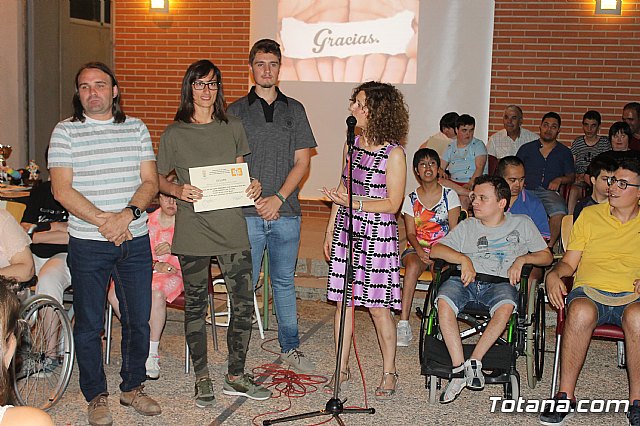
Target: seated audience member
x=511, y=169
x=548, y=165
x=631, y=115
x=166, y=283
x=49, y=249
x=15, y=256
x=441, y=140
x=430, y=212
x=465, y=159
x=599, y=171
x=9, y=310
x=507, y=141
x=584, y=149
x=491, y=249
x=619, y=136
x=603, y=254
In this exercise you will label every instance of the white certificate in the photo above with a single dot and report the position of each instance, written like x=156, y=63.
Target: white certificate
x=222, y=186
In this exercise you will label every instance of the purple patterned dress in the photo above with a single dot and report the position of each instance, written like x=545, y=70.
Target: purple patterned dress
x=375, y=245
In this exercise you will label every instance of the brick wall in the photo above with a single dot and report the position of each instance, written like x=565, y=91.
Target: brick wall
x=547, y=55
x=153, y=50
x=559, y=56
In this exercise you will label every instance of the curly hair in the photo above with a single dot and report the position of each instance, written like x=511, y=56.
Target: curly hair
x=388, y=116
x=9, y=308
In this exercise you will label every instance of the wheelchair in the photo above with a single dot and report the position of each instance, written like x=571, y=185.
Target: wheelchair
x=524, y=335
x=46, y=336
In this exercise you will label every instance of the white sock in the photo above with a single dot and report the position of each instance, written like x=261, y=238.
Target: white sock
x=153, y=348
x=403, y=322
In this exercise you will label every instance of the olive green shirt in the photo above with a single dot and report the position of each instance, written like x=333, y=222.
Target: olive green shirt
x=185, y=145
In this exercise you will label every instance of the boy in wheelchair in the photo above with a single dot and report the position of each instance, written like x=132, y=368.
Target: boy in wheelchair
x=491, y=249
x=603, y=254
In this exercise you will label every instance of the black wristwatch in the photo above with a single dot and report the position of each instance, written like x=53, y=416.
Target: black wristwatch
x=136, y=212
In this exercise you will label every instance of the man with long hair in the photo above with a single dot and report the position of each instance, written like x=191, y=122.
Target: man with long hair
x=103, y=171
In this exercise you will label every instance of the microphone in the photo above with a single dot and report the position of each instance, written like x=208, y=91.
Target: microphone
x=351, y=130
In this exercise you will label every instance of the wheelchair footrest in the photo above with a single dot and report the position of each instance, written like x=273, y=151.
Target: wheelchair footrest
x=437, y=359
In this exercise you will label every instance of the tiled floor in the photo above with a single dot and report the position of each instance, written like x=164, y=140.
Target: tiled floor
x=174, y=389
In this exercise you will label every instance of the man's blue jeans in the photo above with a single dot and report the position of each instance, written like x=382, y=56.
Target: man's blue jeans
x=282, y=239
x=92, y=263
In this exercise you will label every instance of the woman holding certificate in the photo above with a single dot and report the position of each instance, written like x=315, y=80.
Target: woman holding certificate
x=379, y=174
x=204, y=136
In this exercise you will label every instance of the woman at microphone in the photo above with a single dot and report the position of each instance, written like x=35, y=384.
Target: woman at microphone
x=379, y=175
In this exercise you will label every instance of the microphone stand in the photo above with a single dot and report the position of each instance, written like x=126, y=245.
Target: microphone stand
x=334, y=406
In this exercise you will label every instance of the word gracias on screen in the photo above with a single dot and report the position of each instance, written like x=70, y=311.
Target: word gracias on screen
x=323, y=38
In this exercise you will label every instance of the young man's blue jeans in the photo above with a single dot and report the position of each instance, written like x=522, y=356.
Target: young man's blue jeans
x=92, y=263
x=282, y=239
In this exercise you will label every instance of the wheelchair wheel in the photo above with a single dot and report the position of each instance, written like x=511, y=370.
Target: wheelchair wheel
x=532, y=377
x=44, y=359
x=512, y=388
x=539, y=334
x=433, y=389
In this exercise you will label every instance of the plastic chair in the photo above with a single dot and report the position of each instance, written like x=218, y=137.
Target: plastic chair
x=16, y=209
x=219, y=286
x=178, y=303
x=565, y=230
x=492, y=167
x=605, y=331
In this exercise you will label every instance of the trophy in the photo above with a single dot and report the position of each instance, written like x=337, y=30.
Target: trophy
x=5, y=153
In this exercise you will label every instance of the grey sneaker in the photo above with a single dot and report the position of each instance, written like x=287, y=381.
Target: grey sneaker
x=245, y=386
x=452, y=390
x=47, y=368
x=473, y=373
x=204, y=393
x=403, y=333
x=153, y=367
x=297, y=361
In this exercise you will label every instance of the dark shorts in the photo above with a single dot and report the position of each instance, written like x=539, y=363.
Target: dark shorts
x=606, y=314
x=491, y=295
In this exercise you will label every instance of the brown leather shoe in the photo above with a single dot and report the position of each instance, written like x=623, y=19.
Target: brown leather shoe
x=140, y=401
x=98, y=411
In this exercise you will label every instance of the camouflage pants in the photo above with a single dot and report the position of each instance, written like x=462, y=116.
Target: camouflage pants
x=236, y=269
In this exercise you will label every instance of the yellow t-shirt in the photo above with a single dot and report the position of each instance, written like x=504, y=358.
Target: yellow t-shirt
x=610, y=250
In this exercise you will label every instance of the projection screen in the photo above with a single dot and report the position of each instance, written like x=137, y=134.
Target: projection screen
x=437, y=52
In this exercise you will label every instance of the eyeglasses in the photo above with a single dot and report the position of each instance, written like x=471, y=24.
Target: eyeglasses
x=424, y=165
x=482, y=198
x=622, y=184
x=199, y=85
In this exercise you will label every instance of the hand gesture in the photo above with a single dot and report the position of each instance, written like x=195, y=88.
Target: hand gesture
x=161, y=249
x=188, y=193
x=556, y=290
x=254, y=189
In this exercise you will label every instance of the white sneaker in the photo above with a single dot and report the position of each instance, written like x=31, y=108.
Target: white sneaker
x=403, y=333
x=153, y=367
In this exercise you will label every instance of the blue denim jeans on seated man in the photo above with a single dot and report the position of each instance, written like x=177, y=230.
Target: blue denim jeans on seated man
x=282, y=239
x=491, y=295
x=92, y=263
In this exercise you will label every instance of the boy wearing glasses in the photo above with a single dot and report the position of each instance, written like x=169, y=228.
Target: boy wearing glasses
x=490, y=249
x=599, y=171
x=602, y=252
x=430, y=212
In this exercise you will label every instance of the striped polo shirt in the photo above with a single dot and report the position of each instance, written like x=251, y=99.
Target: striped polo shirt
x=105, y=158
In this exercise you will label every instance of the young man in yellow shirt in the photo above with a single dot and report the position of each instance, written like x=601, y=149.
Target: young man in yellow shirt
x=602, y=251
